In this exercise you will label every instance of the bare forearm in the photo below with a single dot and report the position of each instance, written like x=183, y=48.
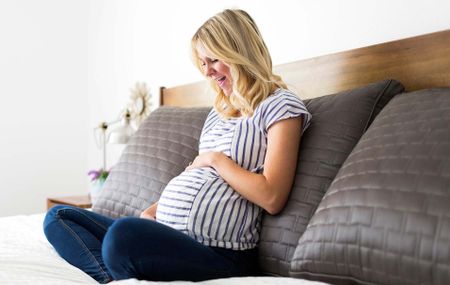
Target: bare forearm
x=270, y=189
x=253, y=186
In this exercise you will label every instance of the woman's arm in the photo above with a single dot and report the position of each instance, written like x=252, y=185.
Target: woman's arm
x=150, y=212
x=270, y=189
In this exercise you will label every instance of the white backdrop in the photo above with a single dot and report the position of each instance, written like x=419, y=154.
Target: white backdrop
x=66, y=65
x=43, y=98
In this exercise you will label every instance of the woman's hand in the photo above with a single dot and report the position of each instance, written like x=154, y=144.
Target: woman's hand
x=150, y=212
x=205, y=159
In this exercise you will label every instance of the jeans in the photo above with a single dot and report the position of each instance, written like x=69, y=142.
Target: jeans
x=109, y=249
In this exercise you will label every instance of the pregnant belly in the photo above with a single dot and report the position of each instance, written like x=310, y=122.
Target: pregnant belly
x=176, y=200
x=221, y=217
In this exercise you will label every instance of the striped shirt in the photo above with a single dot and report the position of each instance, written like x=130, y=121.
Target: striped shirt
x=200, y=203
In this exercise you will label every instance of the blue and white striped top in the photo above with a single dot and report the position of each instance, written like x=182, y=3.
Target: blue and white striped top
x=200, y=203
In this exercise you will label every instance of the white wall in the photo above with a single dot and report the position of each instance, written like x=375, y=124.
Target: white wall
x=43, y=99
x=66, y=65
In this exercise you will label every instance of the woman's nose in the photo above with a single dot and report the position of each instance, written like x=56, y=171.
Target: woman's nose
x=209, y=70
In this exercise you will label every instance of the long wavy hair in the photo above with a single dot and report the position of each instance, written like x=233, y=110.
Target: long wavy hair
x=233, y=37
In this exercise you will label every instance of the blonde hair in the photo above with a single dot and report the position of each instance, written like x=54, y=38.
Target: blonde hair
x=233, y=37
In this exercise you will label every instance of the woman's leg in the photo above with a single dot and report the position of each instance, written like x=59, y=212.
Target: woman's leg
x=144, y=249
x=77, y=235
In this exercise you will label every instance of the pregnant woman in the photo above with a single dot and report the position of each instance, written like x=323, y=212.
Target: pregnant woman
x=206, y=223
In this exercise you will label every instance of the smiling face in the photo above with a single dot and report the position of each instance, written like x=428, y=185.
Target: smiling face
x=216, y=70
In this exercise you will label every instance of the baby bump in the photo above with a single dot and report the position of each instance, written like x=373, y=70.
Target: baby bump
x=220, y=215
x=177, y=198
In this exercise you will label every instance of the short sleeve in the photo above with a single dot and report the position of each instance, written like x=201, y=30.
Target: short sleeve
x=210, y=121
x=284, y=104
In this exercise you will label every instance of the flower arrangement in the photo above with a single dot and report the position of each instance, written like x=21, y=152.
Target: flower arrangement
x=98, y=175
x=98, y=178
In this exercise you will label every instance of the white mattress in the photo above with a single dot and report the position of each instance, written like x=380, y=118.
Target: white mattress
x=27, y=258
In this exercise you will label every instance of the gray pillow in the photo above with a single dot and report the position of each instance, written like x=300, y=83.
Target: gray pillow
x=386, y=216
x=161, y=149
x=338, y=122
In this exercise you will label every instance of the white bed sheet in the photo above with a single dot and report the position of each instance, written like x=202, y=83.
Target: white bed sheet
x=26, y=257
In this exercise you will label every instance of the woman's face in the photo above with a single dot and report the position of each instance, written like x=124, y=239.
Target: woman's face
x=216, y=70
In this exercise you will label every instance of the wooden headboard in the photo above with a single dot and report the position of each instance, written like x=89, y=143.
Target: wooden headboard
x=417, y=62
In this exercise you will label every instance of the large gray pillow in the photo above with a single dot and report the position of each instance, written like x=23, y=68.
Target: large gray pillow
x=338, y=122
x=161, y=149
x=386, y=217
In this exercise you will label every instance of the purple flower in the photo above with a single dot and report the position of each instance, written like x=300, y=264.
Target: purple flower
x=100, y=174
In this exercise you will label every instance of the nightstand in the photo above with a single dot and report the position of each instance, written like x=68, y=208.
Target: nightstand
x=82, y=201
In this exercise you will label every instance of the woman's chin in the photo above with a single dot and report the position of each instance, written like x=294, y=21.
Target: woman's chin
x=227, y=92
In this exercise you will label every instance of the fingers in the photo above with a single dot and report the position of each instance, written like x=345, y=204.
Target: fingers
x=147, y=216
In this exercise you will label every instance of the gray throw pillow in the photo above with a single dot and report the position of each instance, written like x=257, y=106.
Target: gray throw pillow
x=338, y=122
x=386, y=216
x=162, y=147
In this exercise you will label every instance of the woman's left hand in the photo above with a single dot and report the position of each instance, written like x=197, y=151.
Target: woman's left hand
x=150, y=212
x=204, y=160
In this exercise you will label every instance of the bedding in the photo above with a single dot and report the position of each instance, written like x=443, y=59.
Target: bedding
x=386, y=217
x=26, y=257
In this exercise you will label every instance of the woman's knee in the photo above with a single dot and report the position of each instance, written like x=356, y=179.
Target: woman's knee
x=114, y=239
x=117, y=246
x=52, y=216
x=119, y=236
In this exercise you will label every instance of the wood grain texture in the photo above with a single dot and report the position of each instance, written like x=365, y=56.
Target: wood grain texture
x=418, y=62
x=83, y=201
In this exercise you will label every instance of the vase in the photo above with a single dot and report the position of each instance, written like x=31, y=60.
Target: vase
x=95, y=190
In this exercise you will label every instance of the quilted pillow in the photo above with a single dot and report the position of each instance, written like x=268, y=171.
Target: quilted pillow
x=161, y=149
x=338, y=122
x=386, y=216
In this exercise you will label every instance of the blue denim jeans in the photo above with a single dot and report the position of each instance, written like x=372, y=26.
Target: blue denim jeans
x=109, y=249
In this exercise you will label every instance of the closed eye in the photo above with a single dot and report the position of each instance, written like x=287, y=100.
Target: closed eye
x=211, y=60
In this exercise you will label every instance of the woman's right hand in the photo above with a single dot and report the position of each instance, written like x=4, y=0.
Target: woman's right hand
x=150, y=212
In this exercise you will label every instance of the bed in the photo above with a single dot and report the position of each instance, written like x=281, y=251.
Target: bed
x=419, y=63
x=27, y=258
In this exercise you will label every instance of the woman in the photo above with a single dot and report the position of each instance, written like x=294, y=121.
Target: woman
x=206, y=223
